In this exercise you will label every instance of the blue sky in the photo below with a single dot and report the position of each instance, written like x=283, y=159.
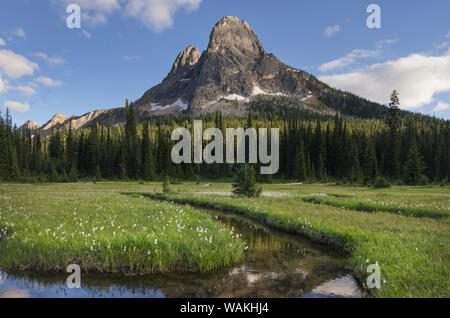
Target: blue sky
x=127, y=46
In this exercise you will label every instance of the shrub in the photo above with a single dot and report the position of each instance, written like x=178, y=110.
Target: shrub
x=381, y=183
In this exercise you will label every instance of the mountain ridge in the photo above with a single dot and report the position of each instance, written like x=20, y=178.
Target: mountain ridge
x=229, y=73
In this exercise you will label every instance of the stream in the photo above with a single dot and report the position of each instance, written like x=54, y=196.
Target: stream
x=275, y=264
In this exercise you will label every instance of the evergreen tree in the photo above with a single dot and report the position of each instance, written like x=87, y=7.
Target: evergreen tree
x=245, y=184
x=414, y=165
x=98, y=174
x=71, y=147
x=122, y=159
x=4, y=162
x=91, y=153
x=131, y=148
x=147, y=155
x=312, y=176
x=301, y=176
x=392, y=157
x=370, y=164
x=13, y=169
x=53, y=174
x=73, y=175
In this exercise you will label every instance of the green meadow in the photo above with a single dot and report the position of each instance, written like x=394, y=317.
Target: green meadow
x=46, y=228
x=133, y=228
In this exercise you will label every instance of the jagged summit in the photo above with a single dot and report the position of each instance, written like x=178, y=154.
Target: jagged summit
x=185, y=60
x=234, y=66
x=232, y=34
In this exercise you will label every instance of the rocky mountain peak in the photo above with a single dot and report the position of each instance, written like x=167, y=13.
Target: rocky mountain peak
x=236, y=36
x=31, y=125
x=56, y=120
x=186, y=60
x=59, y=115
x=234, y=67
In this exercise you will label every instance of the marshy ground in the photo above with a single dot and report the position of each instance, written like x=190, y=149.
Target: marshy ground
x=405, y=230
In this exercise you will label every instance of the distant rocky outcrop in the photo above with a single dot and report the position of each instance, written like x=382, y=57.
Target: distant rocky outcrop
x=30, y=125
x=103, y=117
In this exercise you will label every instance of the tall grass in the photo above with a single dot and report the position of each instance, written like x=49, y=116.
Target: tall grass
x=103, y=231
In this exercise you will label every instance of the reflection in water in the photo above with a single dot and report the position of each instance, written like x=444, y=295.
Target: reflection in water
x=274, y=265
x=340, y=287
x=12, y=292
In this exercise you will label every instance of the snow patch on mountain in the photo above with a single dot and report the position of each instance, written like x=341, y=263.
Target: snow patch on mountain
x=178, y=102
x=258, y=91
x=234, y=97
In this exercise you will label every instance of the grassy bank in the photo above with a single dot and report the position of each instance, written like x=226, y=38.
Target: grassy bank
x=45, y=228
x=412, y=252
x=375, y=206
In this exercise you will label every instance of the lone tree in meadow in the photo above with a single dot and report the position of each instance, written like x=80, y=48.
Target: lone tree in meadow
x=245, y=185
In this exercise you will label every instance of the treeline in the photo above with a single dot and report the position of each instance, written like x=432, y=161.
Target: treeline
x=314, y=146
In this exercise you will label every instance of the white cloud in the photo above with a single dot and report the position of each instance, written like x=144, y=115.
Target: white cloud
x=97, y=5
x=14, y=65
x=331, y=30
x=355, y=55
x=2, y=86
x=25, y=90
x=158, y=15
x=93, y=11
x=94, y=19
x=20, y=107
x=349, y=59
x=448, y=34
x=441, y=106
x=47, y=81
x=20, y=32
x=382, y=43
x=442, y=45
x=52, y=61
x=2, y=42
x=417, y=77
x=86, y=34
